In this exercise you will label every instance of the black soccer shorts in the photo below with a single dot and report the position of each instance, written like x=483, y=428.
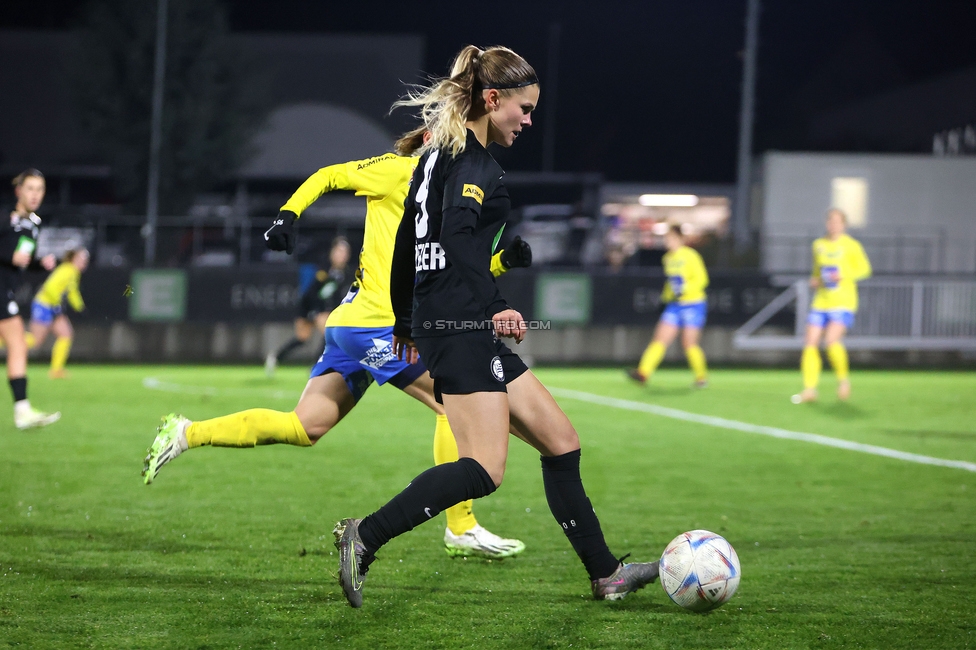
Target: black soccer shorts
x=469, y=362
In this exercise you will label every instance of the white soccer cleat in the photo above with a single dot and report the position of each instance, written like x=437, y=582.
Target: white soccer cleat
x=805, y=396
x=170, y=442
x=480, y=542
x=31, y=418
x=270, y=364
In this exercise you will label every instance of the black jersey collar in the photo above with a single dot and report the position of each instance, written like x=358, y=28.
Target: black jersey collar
x=473, y=139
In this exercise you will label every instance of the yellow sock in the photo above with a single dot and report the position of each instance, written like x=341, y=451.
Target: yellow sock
x=31, y=341
x=59, y=353
x=696, y=360
x=651, y=359
x=837, y=354
x=249, y=428
x=810, y=366
x=460, y=518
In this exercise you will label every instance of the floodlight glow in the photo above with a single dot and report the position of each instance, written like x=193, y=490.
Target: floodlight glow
x=668, y=200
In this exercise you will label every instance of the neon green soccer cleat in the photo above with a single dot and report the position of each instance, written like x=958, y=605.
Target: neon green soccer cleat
x=170, y=442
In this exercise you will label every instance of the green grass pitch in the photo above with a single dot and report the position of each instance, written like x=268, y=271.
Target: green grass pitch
x=233, y=548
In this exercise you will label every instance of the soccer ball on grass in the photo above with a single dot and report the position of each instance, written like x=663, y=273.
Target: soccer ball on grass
x=699, y=570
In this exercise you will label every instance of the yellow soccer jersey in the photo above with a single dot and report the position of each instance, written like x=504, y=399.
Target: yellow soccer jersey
x=686, y=276
x=840, y=264
x=383, y=180
x=63, y=280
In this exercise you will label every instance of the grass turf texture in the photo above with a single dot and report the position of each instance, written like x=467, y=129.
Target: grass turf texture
x=233, y=548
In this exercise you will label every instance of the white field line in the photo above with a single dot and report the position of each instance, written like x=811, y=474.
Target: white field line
x=152, y=383
x=774, y=432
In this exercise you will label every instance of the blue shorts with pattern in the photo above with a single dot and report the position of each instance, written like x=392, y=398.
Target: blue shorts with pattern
x=690, y=315
x=363, y=355
x=44, y=314
x=819, y=318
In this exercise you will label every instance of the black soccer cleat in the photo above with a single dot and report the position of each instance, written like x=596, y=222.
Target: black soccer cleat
x=634, y=374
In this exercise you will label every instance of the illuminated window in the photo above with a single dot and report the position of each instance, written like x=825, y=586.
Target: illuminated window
x=850, y=194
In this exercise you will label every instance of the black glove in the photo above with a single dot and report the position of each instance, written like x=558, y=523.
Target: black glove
x=281, y=235
x=518, y=254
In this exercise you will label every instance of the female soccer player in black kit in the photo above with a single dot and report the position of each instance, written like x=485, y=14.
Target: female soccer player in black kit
x=18, y=242
x=448, y=309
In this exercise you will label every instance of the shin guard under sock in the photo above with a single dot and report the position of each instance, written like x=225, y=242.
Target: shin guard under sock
x=810, y=366
x=18, y=387
x=574, y=512
x=430, y=493
x=247, y=429
x=837, y=354
x=651, y=359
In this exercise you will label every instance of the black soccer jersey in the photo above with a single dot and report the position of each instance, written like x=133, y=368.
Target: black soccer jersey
x=441, y=281
x=326, y=290
x=20, y=234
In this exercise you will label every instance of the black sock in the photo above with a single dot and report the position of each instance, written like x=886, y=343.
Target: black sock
x=430, y=493
x=574, y=512
x=288, y=347
x=18, y=387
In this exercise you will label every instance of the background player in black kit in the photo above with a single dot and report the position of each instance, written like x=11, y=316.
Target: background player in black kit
x=324, y=294
x=18, y=243
x=448, y=309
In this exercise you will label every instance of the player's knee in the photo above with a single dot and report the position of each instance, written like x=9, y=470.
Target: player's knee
x=565, y=441
x=497, y=478
x=486, y=476
x=495, y=470
x=497, y=475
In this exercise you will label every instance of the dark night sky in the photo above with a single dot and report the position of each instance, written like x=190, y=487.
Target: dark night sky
x=649, y=90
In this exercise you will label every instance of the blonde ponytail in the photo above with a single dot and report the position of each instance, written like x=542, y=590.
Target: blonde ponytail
x=446, y=103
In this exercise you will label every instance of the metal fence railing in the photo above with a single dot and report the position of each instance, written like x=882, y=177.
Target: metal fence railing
x=893, y=314
x=119, y=242
x=897, y=252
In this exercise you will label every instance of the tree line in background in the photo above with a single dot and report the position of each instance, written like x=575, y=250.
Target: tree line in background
x=214, y=100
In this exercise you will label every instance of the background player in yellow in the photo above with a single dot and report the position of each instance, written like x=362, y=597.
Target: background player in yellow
x=46, y=312
x=839, y=263
x=686, y=310
x=320, y=297
x=359, y=345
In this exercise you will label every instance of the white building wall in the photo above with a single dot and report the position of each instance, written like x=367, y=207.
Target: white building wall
x=921, y=211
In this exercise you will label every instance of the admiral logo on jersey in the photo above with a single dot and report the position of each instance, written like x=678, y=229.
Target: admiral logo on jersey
x=473, y=192
x=429, y=256
x=372, y=161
